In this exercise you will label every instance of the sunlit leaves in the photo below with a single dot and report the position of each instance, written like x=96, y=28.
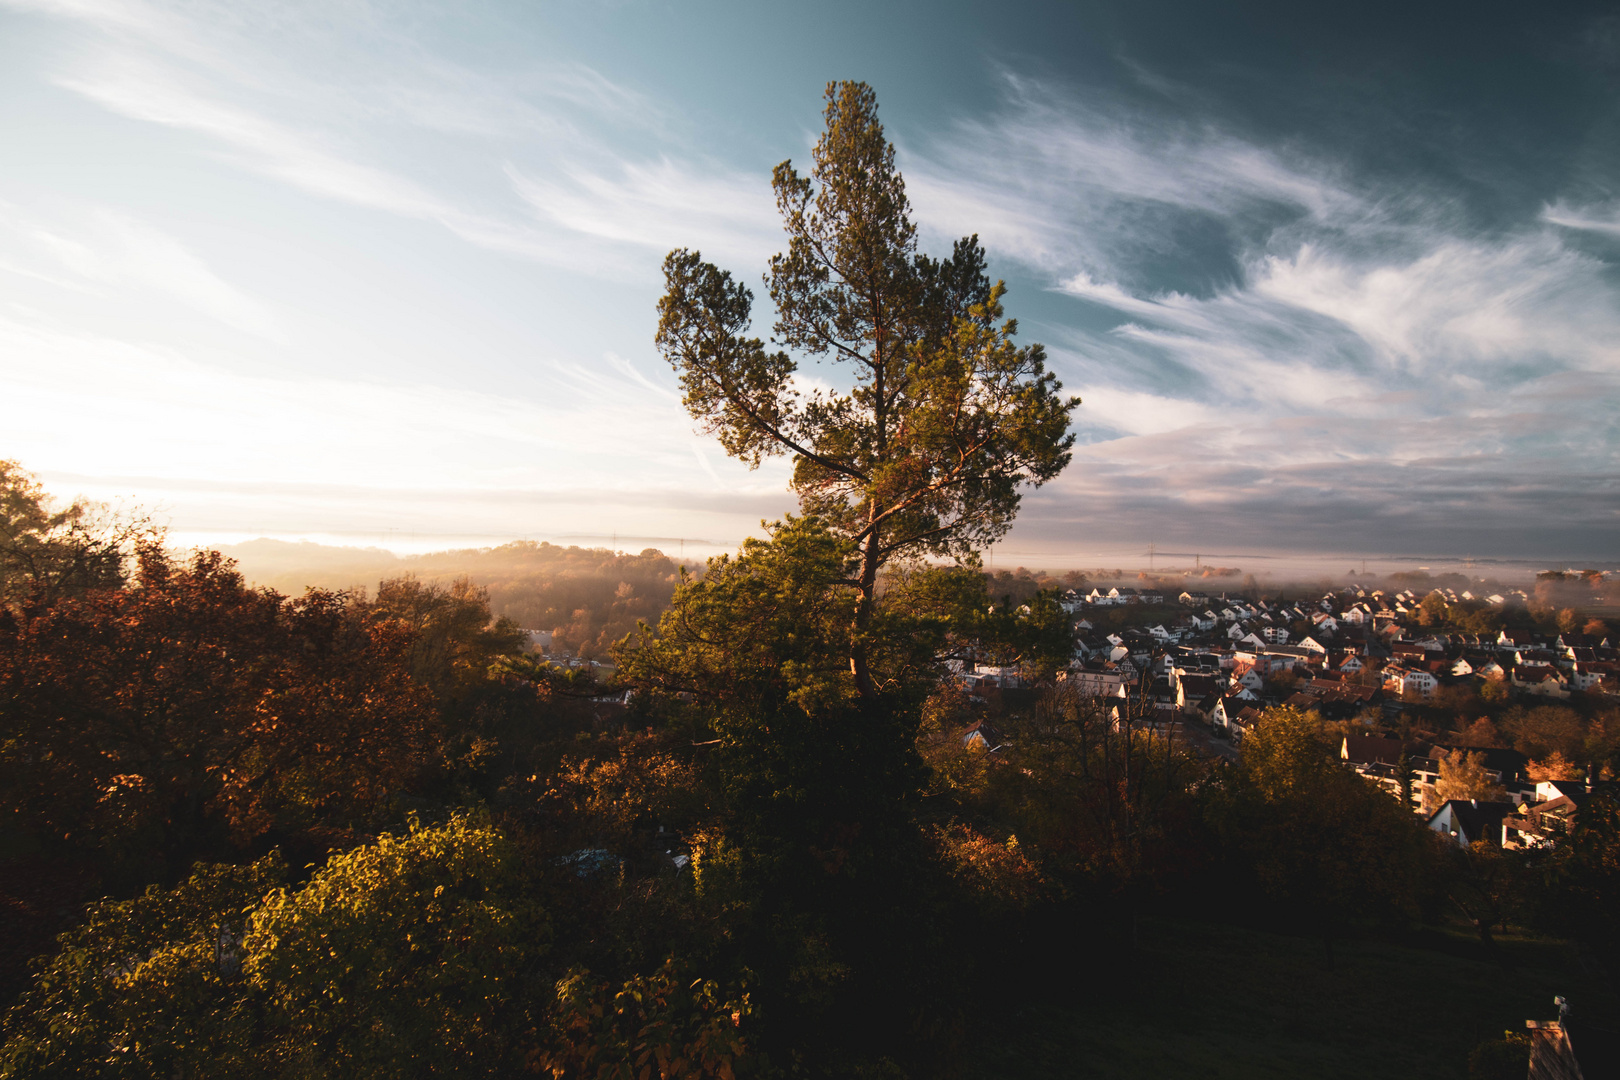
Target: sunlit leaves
x=400, y=958
x=188, y=708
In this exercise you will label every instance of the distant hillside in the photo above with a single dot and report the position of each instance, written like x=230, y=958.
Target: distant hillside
x=293, y=567
x=590, y=597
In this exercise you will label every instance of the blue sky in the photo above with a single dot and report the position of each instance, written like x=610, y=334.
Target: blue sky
x=1327, y=282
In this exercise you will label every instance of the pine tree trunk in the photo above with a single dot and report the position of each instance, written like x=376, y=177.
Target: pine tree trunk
x=858, y=665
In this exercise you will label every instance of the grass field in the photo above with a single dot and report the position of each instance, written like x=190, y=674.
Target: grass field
x=1212, y=1001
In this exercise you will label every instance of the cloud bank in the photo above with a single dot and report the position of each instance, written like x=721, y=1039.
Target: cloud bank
x=1341, y=364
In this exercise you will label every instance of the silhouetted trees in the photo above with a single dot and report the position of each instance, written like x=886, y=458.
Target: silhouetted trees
x=48, y=551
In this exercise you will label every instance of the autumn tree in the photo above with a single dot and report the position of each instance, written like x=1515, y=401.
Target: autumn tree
x=1555, y=767
x=49, y=550
x=946, y=417
x=1539, y=731
x=188, y=709
x=1433, y=611
x=453, y=637
x=1481, y=734
x=1463, y=775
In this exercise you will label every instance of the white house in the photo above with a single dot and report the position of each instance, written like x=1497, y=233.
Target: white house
x=1513, y=641
x=1095, y=682
x=1589, y=673
x=1409, y=681
x=1469, y=820
x=1248, y=678
x=1543, y=680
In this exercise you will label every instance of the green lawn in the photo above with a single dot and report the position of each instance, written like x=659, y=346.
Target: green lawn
x=1211, y=1001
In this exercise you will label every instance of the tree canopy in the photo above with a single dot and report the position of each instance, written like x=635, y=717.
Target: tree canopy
x=947, y=417
x=49, y=550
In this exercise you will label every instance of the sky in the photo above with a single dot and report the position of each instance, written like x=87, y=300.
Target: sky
x=1341, y=281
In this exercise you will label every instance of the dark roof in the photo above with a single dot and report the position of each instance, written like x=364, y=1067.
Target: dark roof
x=1367, y=749
x=1197, y=685
x=1475, y=819
x=986, y=731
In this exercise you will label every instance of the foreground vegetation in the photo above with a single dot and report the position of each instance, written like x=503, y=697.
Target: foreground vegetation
x=366, y=836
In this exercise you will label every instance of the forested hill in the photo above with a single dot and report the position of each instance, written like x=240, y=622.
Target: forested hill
x=590, y=597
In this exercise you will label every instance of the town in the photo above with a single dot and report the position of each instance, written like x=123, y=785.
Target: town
x=1385, y=670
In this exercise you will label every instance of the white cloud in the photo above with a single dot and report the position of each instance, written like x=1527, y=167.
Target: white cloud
x=326, y=130
x=1362, y=356
x=82, y=401
x=160, y=262
x=1142, y=414
x=1517, y=298
x=113, y=249
x=1601, y=219
x=146, y=91
x=1107, y=293
x=729, y=216
x=1062, y=183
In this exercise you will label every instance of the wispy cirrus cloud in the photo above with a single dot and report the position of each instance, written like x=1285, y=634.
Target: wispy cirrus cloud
x=104, y=249
x=162, y=414
x=1065, y=183
x=573, y=198
x=1324, y=347
x=146, y=91
x=1598, y=219
x=730, y=216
